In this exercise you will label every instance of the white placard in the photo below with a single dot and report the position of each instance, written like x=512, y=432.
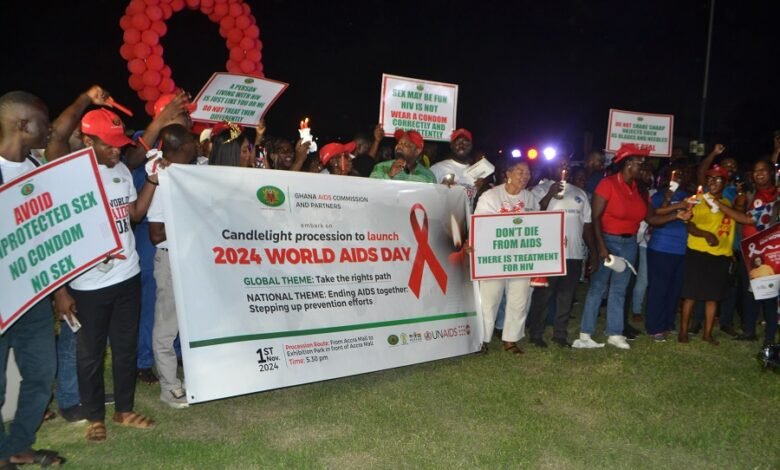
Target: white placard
x=427, y=107
x=241, y=99
x=645, y=129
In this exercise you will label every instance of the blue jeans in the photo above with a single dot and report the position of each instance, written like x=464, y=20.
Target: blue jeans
x=617, y=283
x=501, y=314
x=67, y=391
x=146, y=251
x=640, y=284
x=32, y=339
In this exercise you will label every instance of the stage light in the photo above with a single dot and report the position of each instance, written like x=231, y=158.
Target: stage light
x=532, y=153
x=549, y=153
x=516, y=153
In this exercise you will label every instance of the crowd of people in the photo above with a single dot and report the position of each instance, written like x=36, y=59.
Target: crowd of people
x=642, y=214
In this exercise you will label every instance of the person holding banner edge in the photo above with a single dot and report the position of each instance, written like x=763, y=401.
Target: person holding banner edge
x=508, y=198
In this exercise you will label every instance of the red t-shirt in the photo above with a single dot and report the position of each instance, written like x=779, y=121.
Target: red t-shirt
x=626, y=207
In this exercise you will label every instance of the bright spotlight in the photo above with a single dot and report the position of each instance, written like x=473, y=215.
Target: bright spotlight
x=532, y=154
x=549, y=153
x=516, y=153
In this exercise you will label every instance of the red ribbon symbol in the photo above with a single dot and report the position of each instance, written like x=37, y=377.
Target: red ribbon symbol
x=424, y=255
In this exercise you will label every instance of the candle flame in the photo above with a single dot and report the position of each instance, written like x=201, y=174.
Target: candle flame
x=456, y=240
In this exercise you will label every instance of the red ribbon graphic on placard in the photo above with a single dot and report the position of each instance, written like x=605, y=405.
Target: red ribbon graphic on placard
x=424, y=255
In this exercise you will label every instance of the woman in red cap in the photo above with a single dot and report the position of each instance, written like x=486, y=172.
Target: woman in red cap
x=337, y=158
x=708, y=259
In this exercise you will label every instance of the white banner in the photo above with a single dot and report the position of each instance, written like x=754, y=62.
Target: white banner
x=55, y=223
x=241, y=99
x=429, y=108
x=647, y=129
x=517, y=245
x=284, y=278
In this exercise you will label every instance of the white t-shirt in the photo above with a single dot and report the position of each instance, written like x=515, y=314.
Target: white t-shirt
x=155, y=214
x=13, y=169
x=118, y=183
x=451, y=166
x=576, y=210
x=498, y=201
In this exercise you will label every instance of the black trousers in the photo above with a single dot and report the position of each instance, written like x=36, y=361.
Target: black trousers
x=110, y=313
x=562, y=289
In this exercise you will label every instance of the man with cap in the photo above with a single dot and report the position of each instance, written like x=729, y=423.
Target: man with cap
x=406, y=166
x=337, y=158
x=461, y=144
x=107, y=298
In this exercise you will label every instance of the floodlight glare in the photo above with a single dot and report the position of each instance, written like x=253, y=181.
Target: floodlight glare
x=532, y=154
x=549, y=153
x=516, y=153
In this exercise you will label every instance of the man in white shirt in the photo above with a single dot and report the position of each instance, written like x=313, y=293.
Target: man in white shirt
x=461, y=144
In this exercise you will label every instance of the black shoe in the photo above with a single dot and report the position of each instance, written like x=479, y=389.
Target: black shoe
x=562, y=342
x=497, y=333
x=72, y=414
x=745, y=338
x=729, y=330
x=147, y=376
x=539, y=343
x=695, y=329
x=109, y=399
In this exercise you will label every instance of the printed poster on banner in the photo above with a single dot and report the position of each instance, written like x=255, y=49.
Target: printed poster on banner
x=644, y=129
x=427, y=107
x=50, y=231
x=284, y=278
x=241, y=99
x=517, y=245
x=761, y=254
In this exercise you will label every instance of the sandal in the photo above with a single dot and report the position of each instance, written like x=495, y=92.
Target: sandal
x=49, y=415
x=41, y=457
x=133, y=420
x=512, y=347
x=96, y=431
x=483, y=349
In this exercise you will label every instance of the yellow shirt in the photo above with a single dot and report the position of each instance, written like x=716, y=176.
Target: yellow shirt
x=718, y=224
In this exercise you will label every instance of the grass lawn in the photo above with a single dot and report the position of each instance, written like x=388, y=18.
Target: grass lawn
x=660, y=405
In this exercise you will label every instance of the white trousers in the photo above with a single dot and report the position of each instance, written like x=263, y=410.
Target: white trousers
x=517, y=296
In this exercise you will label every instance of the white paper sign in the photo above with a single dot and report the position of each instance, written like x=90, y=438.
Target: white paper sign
x=646, y=129
x=429, y=108
x=241, y=99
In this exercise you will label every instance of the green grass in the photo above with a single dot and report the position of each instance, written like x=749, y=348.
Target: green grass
x=660, y=405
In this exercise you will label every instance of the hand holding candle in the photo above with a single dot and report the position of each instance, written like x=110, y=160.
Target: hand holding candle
x=563, y=185
x=305, y=132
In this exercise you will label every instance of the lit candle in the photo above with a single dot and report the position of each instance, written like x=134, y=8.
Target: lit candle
x=563, y=184
x=457, y=256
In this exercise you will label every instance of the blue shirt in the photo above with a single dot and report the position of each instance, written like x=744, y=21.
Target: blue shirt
x=671, y=237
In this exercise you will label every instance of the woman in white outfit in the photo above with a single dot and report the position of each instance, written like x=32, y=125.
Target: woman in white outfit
x=510, y=197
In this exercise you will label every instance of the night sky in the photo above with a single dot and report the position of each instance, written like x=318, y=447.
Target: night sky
x=529, y=72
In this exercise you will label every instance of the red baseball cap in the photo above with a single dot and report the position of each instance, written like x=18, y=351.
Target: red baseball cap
x=164, y=100
x=106, y=126
x=461, y=133
x=414, y=136
x=631, y=150
x=333, y=149
x=717, y=170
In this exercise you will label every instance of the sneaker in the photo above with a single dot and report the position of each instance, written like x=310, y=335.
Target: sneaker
x=147, y=376
x=73, y=414
x=174, y=398
x=586, y=342
x=619, y=341
x=659, y=338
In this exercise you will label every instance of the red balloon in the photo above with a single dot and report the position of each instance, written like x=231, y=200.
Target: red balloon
x=154, y=12
x=149, y=108
x=193, y=4
x=237, y=54
x=166, y=71
x=157, y=50
x=245, y=10
x=167, y=10
x=253, y=32
x=247, y=43
x=227, y=23
x=243, y=22
x=135, y=7
x=150, y=37
x=177, y=5
x=155, y=62
x=136, y=82
x=152, y=2
x=167, y=85
x=142, y=50
x=206, y=4
x=126, y=51
x=207, y=10
x=214, y=17
x=235, y=35
x=136, y=66
x=159, y=28
x=221, y=9
x=247, y=66
x=141, y=21
x=152, y=78
x=150, y=93
x=236, y=10
x=132, y=36
x=254, y=55
x=233, y=66
x=233, y=1
x=217, y=2
x=126, y=22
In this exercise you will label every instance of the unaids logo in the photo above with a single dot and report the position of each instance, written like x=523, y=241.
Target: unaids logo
x=27, y=189
x=271, y=196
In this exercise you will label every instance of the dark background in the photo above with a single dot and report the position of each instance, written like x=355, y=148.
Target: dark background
x=530, y=72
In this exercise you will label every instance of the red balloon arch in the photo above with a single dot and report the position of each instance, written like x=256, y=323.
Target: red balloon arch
x=144, y=25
